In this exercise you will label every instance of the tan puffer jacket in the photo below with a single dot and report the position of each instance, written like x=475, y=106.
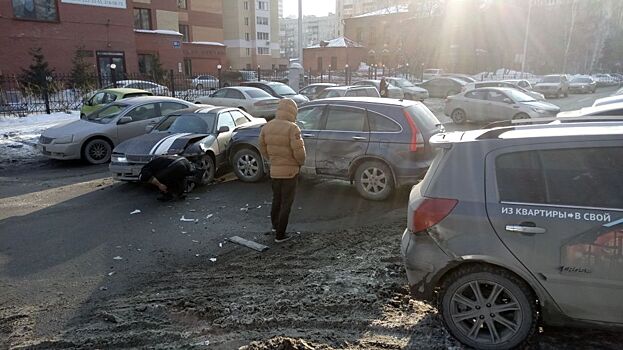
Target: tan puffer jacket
x=281, y=143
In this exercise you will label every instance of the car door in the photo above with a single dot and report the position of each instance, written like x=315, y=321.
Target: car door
x=141, y=116
x=218, y=98
x=309, y=120
x=498, y=106
x=474, y=103
x=434, y=88
x=559, y=209
x=235, y=98
x=344, y=138
x=223, y=138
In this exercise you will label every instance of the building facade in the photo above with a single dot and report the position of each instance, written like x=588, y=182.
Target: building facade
x=350, y=8
x=132, y=34
x=252, y=34
x=334, y=55
x=315, y=29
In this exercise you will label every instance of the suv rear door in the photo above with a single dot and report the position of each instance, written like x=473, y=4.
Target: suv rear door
x=309, y=120
x=559, y=209
x=345, y=137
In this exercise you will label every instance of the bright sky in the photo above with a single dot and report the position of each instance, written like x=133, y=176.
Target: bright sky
x=310, y=7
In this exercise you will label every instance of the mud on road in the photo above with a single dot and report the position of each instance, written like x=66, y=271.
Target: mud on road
x=343, y=289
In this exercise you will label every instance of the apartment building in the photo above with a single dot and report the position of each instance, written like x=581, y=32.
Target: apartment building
x=351, y=8
x=185, y=35
x=315, y=30
x=251, y=34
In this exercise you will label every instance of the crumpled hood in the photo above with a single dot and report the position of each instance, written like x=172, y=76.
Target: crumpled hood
x=78, y=127
x=158, y=143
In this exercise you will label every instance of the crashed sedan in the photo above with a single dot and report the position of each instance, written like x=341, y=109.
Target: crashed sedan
x=201, y=134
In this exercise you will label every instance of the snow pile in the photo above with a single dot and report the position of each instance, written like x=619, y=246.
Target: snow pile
x=18, y=136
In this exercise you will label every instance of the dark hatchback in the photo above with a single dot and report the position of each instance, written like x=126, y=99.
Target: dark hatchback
x=377, y=144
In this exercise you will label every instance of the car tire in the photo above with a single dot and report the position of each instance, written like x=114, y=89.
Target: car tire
x=209, y=170
x=82, y=115
x=199, y=86
x=97, y=151
x=374, y=180
x=505, y=304
x=458, y=116
x=248, y=165
x=519, y=116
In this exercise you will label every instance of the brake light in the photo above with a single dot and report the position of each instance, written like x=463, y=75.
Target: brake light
x=431, y=212
x=414, y=131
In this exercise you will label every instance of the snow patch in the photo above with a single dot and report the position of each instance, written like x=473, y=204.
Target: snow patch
x=213, y=43
x=158, y=31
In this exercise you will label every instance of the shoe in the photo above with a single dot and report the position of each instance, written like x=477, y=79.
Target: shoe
x=283, y=238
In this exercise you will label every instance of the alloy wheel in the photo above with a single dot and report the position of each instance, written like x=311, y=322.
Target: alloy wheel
x=374, y=180
x=248, y=165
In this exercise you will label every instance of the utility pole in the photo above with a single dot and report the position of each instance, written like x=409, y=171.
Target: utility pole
x=301, y=32
x=525, y=39
x=570, y=37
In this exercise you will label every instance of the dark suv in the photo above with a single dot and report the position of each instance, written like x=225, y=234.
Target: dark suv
x=515, y=225
x=378, y=144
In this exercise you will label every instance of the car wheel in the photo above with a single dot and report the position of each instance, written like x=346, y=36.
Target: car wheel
x=374, y=180
x=488, y=308
x=199, y=86
x=248, y=165
x=521, y=116
x=206, y=165
x=82, y=115
x=97, y=151
x=458, y=116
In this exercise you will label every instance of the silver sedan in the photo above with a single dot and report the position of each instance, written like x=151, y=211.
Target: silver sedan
x=254, y=101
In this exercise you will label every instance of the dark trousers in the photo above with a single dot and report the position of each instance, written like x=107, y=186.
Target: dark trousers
x=283, y=196
x=174, y=177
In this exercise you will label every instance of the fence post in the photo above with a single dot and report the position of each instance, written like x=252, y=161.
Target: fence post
x=321, y=76
x=172, y=83
x=259, y=73
x=46, y=94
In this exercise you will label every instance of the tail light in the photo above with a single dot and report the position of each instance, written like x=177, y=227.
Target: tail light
x=416, y=135
x=430, y=212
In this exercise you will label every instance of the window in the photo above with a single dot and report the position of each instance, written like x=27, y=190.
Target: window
x=170, y=107
x=262, y=20
x=246, y=5
x=225, y=119
x=588, y=177
x=263, y=51
x=235, y=94
x=144, y=112
x=182, y=4
x=221, y=93
x=476, y=94
x=262, y=36
x=98, y=98
x=239, y=118
x=346, y=119
x=496, y=96
x=246, y=21
x=246, y=37
x=37, y=10
x=248, y=51
x=188, y=66
x=185, y=30
x=109, y=98
x=262, y=5
x=380, y=123
x=142, y=18
x=258, y=93
x=309, y=118
x=146, y=63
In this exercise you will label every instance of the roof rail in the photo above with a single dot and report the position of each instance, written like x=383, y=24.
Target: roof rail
x=498, y=128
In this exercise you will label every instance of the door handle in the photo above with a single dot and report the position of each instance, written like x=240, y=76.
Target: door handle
x=359, y=138
x=525, y=228
x=309, y=135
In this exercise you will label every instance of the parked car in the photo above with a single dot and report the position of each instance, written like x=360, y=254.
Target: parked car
x=105, y=96
x=392, y=91
x=257, y=102
x=410, y=91
x=495, y=104
x=349, y=91
x=154, y=88
x=279, y=90
x=582, y=85
x=431, y=73
x=534, y=239
x=609, y=109
x=608, y=100
x=377, y=144
x=605, y=80
x=201, y=82
x=313, y=90
x=463, y=77
x=522, y=83
x=442, y=87
x=555, y=85
x=93, y=138
x=234, y=77
x=12, y=101
x=482, y=84
x=200, y=133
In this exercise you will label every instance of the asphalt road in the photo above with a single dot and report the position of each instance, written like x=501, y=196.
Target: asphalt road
x=68, y=235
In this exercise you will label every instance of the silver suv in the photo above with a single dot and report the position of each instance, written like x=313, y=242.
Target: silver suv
x=519, y=225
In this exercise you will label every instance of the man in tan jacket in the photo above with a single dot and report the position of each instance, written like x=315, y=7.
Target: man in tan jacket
x=282, y=146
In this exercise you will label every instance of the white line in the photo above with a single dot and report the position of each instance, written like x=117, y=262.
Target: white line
x=164, y=147
x=153, y=149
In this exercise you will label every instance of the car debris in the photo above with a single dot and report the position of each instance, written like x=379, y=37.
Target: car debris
x=187, y=220
x=247, y=243
x=209, y=216
x=117, y=258
x=213, y=259
x=137, y=211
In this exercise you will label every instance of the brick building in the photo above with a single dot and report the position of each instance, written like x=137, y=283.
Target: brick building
x=185, y=35
x=334, y=55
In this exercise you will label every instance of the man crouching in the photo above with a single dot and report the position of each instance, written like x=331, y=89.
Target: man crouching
x=169, y=173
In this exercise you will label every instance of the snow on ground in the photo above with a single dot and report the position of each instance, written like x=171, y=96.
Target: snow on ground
x=18, y=136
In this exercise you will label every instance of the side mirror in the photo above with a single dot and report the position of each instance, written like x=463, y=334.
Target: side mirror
x=125, y=120
x=223, y=129
x=508, y=100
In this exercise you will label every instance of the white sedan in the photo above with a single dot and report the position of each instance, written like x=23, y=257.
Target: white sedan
x=154, y=88
x=252, y=100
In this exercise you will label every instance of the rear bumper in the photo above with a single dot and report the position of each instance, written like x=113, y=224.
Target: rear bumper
x=423, y=260
x=62, y=151
x=125, y=171
x=413, y=174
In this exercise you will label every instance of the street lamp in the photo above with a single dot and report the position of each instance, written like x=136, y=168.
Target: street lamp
x=113, y=73
x=259, y=73
x=219, y=67
x=329, y=73
x=346, y=80
x=407, y=70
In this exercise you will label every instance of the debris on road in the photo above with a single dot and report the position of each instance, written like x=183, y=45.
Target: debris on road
x=209, y=216
x=195, y=241
x=117, y=258
x=111, y=273
x=137, y=211
x=187, y=220
x=213, y=259
x=247, y=243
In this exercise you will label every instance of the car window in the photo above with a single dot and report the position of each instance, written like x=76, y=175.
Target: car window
x=257, y=93
x=144, y=112
x=612, y=112
x=234, y=94
x=371, y=92
x=346, y=119
x=220, y=93
x=107, y=114
x=239, y=118
x=108, y=98
x=351, y=93
x=98, y=98
x=137, y=94
x=380, y=123
x=309, y=118
x=588, y=177
x=496, y=96
x=225, y=119
x=168, y=107
x=476, y=94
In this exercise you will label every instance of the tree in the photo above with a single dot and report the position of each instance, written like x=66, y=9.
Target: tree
x=35, y=78
x=82, y=75
x=612, y=55
x=157, y=71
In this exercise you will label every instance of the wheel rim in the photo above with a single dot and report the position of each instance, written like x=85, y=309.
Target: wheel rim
x=247, y=165
x=374, y=180
x=207, y=166
x=98, y=151
x=485, y=312
x=458, y=116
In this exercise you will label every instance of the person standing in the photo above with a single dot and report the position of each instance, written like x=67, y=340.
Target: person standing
x=384, y=86
x=281, y=144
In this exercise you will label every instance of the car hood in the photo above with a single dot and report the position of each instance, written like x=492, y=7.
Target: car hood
x=542, y=105
x=415, y=89
x=159, y=143
x=538, y=85
x=78, y=127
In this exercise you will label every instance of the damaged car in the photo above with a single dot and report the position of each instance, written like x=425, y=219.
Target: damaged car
x=200, y=133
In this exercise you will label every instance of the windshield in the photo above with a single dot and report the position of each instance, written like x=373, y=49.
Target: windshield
x=519, y=96
x=106, y=114
x=203, y=124
x=551, y=79
x=282, y=89
x=582, y=80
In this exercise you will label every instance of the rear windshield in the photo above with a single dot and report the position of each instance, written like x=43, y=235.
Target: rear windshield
x=423, y=117
x=283, y=89
x=582, y=80
x=257, y=93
